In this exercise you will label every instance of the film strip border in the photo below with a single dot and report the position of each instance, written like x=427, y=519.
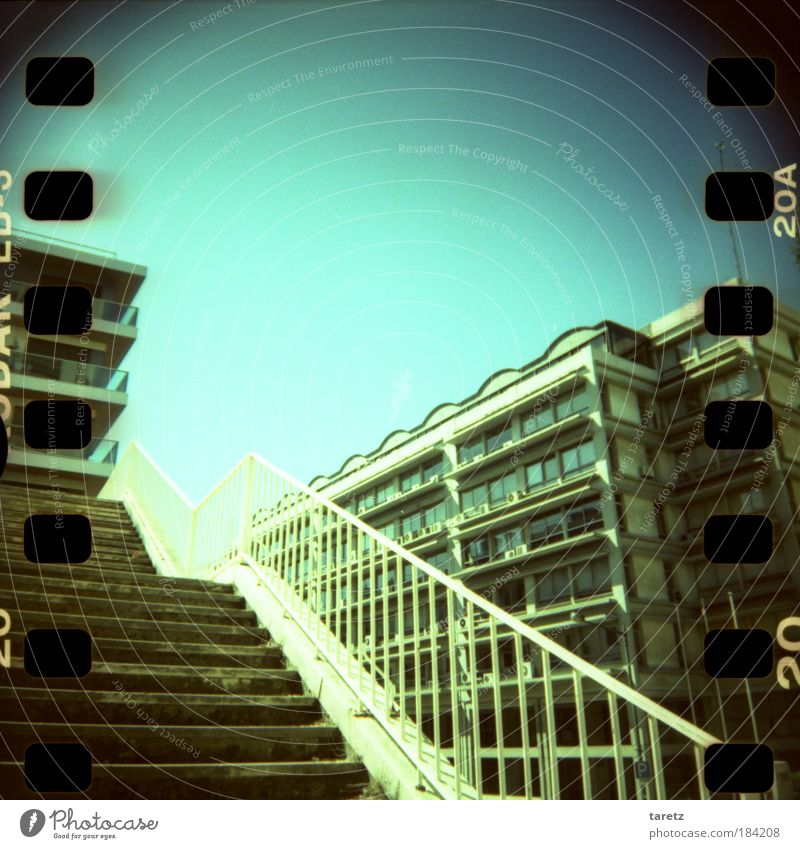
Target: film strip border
x=734, y=425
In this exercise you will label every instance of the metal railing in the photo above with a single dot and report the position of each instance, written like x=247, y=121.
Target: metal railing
x=483, y=705
x=69, y=371
x=102, y=308
x=97, y=451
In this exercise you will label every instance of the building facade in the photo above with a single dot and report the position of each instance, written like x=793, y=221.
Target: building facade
x=573, y=492
x=83, y=366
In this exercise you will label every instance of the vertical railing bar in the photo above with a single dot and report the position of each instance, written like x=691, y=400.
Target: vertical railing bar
x=349, y=596
x=434, y=642
x=401, y=590
x=282, y=540
x=417, y=660
x=387, y=634
x=360, y=610
x=658, y=766
x=318, y=585
x=498, y=709
x=580, y=712
x=330, y=567
x=523, y=717
x=616, y=741
x=699, y=760
x=469, y=611
x=338, y=588
x=373, y=625
x=295, y=551
x=550, y=720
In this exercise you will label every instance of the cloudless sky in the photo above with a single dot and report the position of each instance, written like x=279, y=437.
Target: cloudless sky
x=315, y=284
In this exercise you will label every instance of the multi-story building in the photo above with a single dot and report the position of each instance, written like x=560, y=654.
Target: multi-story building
x=573, y=492
x=70, y=366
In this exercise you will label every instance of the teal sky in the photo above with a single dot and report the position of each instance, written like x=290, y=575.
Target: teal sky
x=315, y=281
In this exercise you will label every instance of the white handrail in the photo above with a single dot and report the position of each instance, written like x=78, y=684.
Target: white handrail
x=363, y=610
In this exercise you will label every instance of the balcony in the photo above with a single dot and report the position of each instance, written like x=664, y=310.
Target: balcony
x=102, y=309
x=68, y=371
x=97, y=451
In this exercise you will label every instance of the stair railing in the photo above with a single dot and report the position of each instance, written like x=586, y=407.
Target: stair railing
x=484, y=705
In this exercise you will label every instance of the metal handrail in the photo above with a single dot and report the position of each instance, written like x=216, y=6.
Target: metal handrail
x=453, y=720
x=69, y=371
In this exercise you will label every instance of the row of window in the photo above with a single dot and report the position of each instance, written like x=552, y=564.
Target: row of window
x=545, y=412
x=537, y=532
x=422, y=518
x=381, y=493
x=562, y=464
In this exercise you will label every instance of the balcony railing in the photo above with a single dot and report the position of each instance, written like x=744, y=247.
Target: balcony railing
x=97, y=451
x=69, y=371
x=102, y=308
x=476, y=700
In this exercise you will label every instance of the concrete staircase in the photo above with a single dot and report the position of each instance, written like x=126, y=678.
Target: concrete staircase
x=186, y=698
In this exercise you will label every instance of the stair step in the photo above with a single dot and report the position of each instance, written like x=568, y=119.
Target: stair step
x=168, y=589
x=182, y=654
x=169, y=679
x=116, y=568
x=145, y=741
x=136, y=629
x=298, y=780
x=103, y=576
x=186, y=698
x=164, y=611
x=75, y=706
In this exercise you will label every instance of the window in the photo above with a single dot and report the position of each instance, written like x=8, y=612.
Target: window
x=366, y=500
x=390, y=530
x=412, y=523
x=554, y=586
x=512, y=597
x=435, y=513
x=470, y=450
x=409, y=480
x=431, y=470
x=684, y=349
x=704, y=341
x=498, y=438
x=541, y=415
x=591, y=578
x=584, y=519
x=580, y=457
x=477, y=552
x=442, y=561
x=507, y=540
x=575, y=402
x=385, y=492
x=502, y=487
x=474, y=497
x=538, y=474
x=545, y=530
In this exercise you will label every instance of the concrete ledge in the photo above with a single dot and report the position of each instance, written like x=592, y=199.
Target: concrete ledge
x=386, y=764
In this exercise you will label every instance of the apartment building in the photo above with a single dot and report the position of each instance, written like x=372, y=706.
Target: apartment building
x=573, y=492
x=69, y=366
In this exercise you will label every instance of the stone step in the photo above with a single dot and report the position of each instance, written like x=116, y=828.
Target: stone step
x=167, y=590
x=103, y=576
x=136, y=629
x=298, y=780
x=116, y=560
x=144, y=741
x=164, y=611
x=45, y=496
x=165, y=679
x=35, y=705
x=190, y=655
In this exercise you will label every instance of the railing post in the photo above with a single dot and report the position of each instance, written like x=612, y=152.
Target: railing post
x=246, y=528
